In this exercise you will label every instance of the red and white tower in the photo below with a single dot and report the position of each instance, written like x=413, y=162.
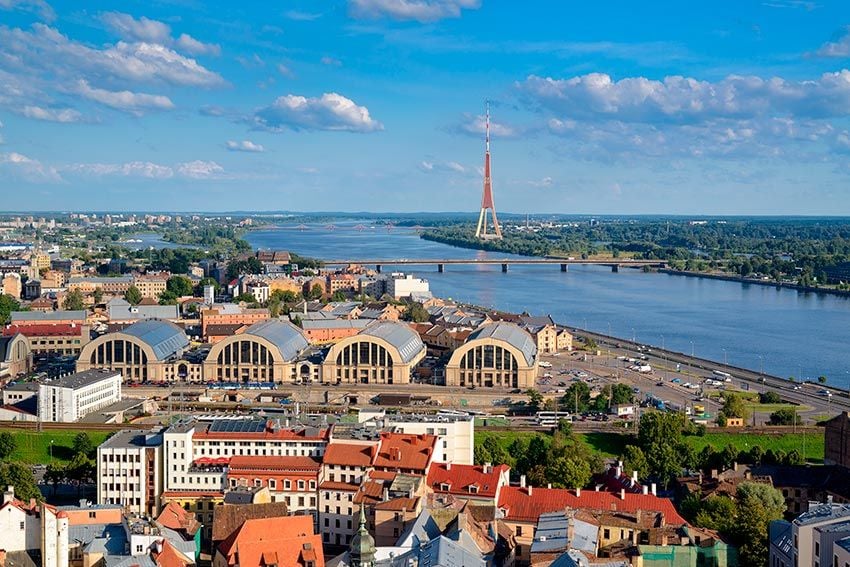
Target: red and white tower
x=487, y=203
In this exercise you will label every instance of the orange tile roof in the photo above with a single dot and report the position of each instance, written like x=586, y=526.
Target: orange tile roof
x=170, y=556
x=404, y=451
x=44, y=330
x=460, y=478
x=398, y=504
x=349, y=454
x=287, y=541
x=344, y=486
x=526, y=504
x=175, y=517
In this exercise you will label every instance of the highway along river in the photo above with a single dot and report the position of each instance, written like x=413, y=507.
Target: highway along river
x=783, y=332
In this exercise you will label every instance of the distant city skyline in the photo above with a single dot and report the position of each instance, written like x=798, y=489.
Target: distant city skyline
x=377, y=105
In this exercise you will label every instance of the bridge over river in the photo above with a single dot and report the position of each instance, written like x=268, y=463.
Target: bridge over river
x=441, y=264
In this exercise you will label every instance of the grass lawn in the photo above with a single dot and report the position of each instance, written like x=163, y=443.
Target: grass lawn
x=744, y=441
x=34, y=447
x=607, y=444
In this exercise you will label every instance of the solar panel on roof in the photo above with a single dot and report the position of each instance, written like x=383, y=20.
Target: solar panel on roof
x=238, y=426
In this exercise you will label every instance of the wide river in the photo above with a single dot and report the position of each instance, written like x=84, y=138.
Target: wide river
x=786, y=332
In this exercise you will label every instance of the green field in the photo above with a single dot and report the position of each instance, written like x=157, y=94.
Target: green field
x=35, y=448
x=611, y=445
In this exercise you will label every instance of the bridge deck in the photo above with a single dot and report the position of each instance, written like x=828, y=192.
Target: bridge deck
x=496, y=261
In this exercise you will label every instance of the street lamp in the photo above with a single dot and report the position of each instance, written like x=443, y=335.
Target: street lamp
x=51, y=450
x=725, y=358
x=634, y=336
x=692, y=349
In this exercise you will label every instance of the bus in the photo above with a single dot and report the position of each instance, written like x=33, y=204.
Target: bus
x=551, y=418
x=725, y=375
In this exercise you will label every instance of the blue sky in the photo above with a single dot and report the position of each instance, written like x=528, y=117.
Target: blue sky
x=603, y=107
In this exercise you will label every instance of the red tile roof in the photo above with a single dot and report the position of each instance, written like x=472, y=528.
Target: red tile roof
x=58, y=330
x=460, y=478
x=170, y=556
x=349, y=454
x=273, y=464
x=404, y=451
x=398, y=504
x=287, y=541
x=526, y=504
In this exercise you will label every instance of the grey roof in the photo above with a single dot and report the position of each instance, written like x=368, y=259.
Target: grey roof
x=423, y=529
x=823, y=513
x=47, y=316
x=129, y=561
x=510, y=333
x=779, y=532
x=844, y=543
x=335, y=324
x=551, y=534
x=110, y=539
x=284, y=335
x=120, y=310
x=20, y=386
x=131, y=439
x=82, y=379
x=4, y=346
x=400, y=335
x=165, y=338
x=443, y=552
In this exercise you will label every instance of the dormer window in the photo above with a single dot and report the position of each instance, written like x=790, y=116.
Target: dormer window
x=445, y=486
x=473, y=489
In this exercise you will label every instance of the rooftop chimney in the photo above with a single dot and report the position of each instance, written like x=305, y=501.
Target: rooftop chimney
x=652, y=489
x=386, y=494
x=549, y=485
x=488, y=468
x=529, y=490
x=645, y=489
x=622, y=494
x=578, y=492
x=617, y=471
x=522, y=481
x=9, y=495
x=634, y=477
x=449, y=466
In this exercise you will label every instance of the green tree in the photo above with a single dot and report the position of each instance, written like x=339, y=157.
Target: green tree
x=316, y=292
x=74, y=301
x=822, y=379
x=634, y=459
x=590, y=344
x=338, y=296
x=569, y=472
x=7, y=305
x=535, y=399
x=769, y=397
x=180, y=286
x=8, y=445
x=55, y=474
x=19, y=476
x=416, y=313
x=734, y=405
x=167, y=298
x=133, y=296
x=498, y=454
x=98, y=295
x=622, y=394
x=481, y=454
x=82, y=444
x=577, y=397
x=208, y=281
x=713, y=513
x=758, y=504
x=785, y=416
x=245, y=298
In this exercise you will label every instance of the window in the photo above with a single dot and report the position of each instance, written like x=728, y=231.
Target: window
x=519, y=534
x=23, y=525
x=606, y=533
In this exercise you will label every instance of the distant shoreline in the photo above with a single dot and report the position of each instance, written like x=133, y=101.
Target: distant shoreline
x=743, y=280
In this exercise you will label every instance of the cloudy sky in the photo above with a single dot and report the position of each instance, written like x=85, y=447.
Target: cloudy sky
x=737, y=107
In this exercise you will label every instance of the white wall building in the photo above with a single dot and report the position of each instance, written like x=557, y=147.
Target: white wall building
x=400, y=285
x=130, y=471
x=455, y=434
x=70, y=398
x=26, y=527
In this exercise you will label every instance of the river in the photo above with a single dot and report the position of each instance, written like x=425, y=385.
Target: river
x=785, y=332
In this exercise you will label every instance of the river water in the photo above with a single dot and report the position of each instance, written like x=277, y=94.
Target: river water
x=785, y=332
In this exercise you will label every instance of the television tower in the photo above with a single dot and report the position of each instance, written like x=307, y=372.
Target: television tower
x=487, y=198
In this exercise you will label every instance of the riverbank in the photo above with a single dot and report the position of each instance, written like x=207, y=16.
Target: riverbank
x=743, y=280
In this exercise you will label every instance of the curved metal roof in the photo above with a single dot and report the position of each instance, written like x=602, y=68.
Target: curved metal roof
x=511, y=334
x=286, y=337
x=401, y=336
x=164, y=337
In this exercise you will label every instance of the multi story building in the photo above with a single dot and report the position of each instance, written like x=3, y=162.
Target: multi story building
x=27, y=529
x=151, y=285
x=455, y=434
x=25, y=318
x=130, y=472
x=109, y=286
x=49, y=338
x=319, y=331
x=400, y=286
x=11, y=285
x=293, y=480
x=496, y=355
x=342, y=282
x=229, y=314
x=814, y=538
x=259, y=289
x=478, y=484
x=70, y=398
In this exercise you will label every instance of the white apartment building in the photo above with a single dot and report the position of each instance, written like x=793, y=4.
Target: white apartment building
x=196, y=453
x=72, y=397
x=455, y=432
x=813, y=538
x=130, y=471
x=400, y=285
x=26, y=527
x=260, y=290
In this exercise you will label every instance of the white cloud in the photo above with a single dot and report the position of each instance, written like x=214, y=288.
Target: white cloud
x=124, y=100
x=64, y=115
x=417, y=10
x=447, y=166
x=141, y=29
x=331, y=111
x=838, y=48
x=544, y=182
x=199, y=169
x=192, y=46
x=49, y=55
x=331, y=62
x=188, y=170
x=152, y=31
x=27, y=169
x=475, y=125
x=299, y=16
x=244, y=146
x=285, y=71
x=39, y=7
x=686, y=100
